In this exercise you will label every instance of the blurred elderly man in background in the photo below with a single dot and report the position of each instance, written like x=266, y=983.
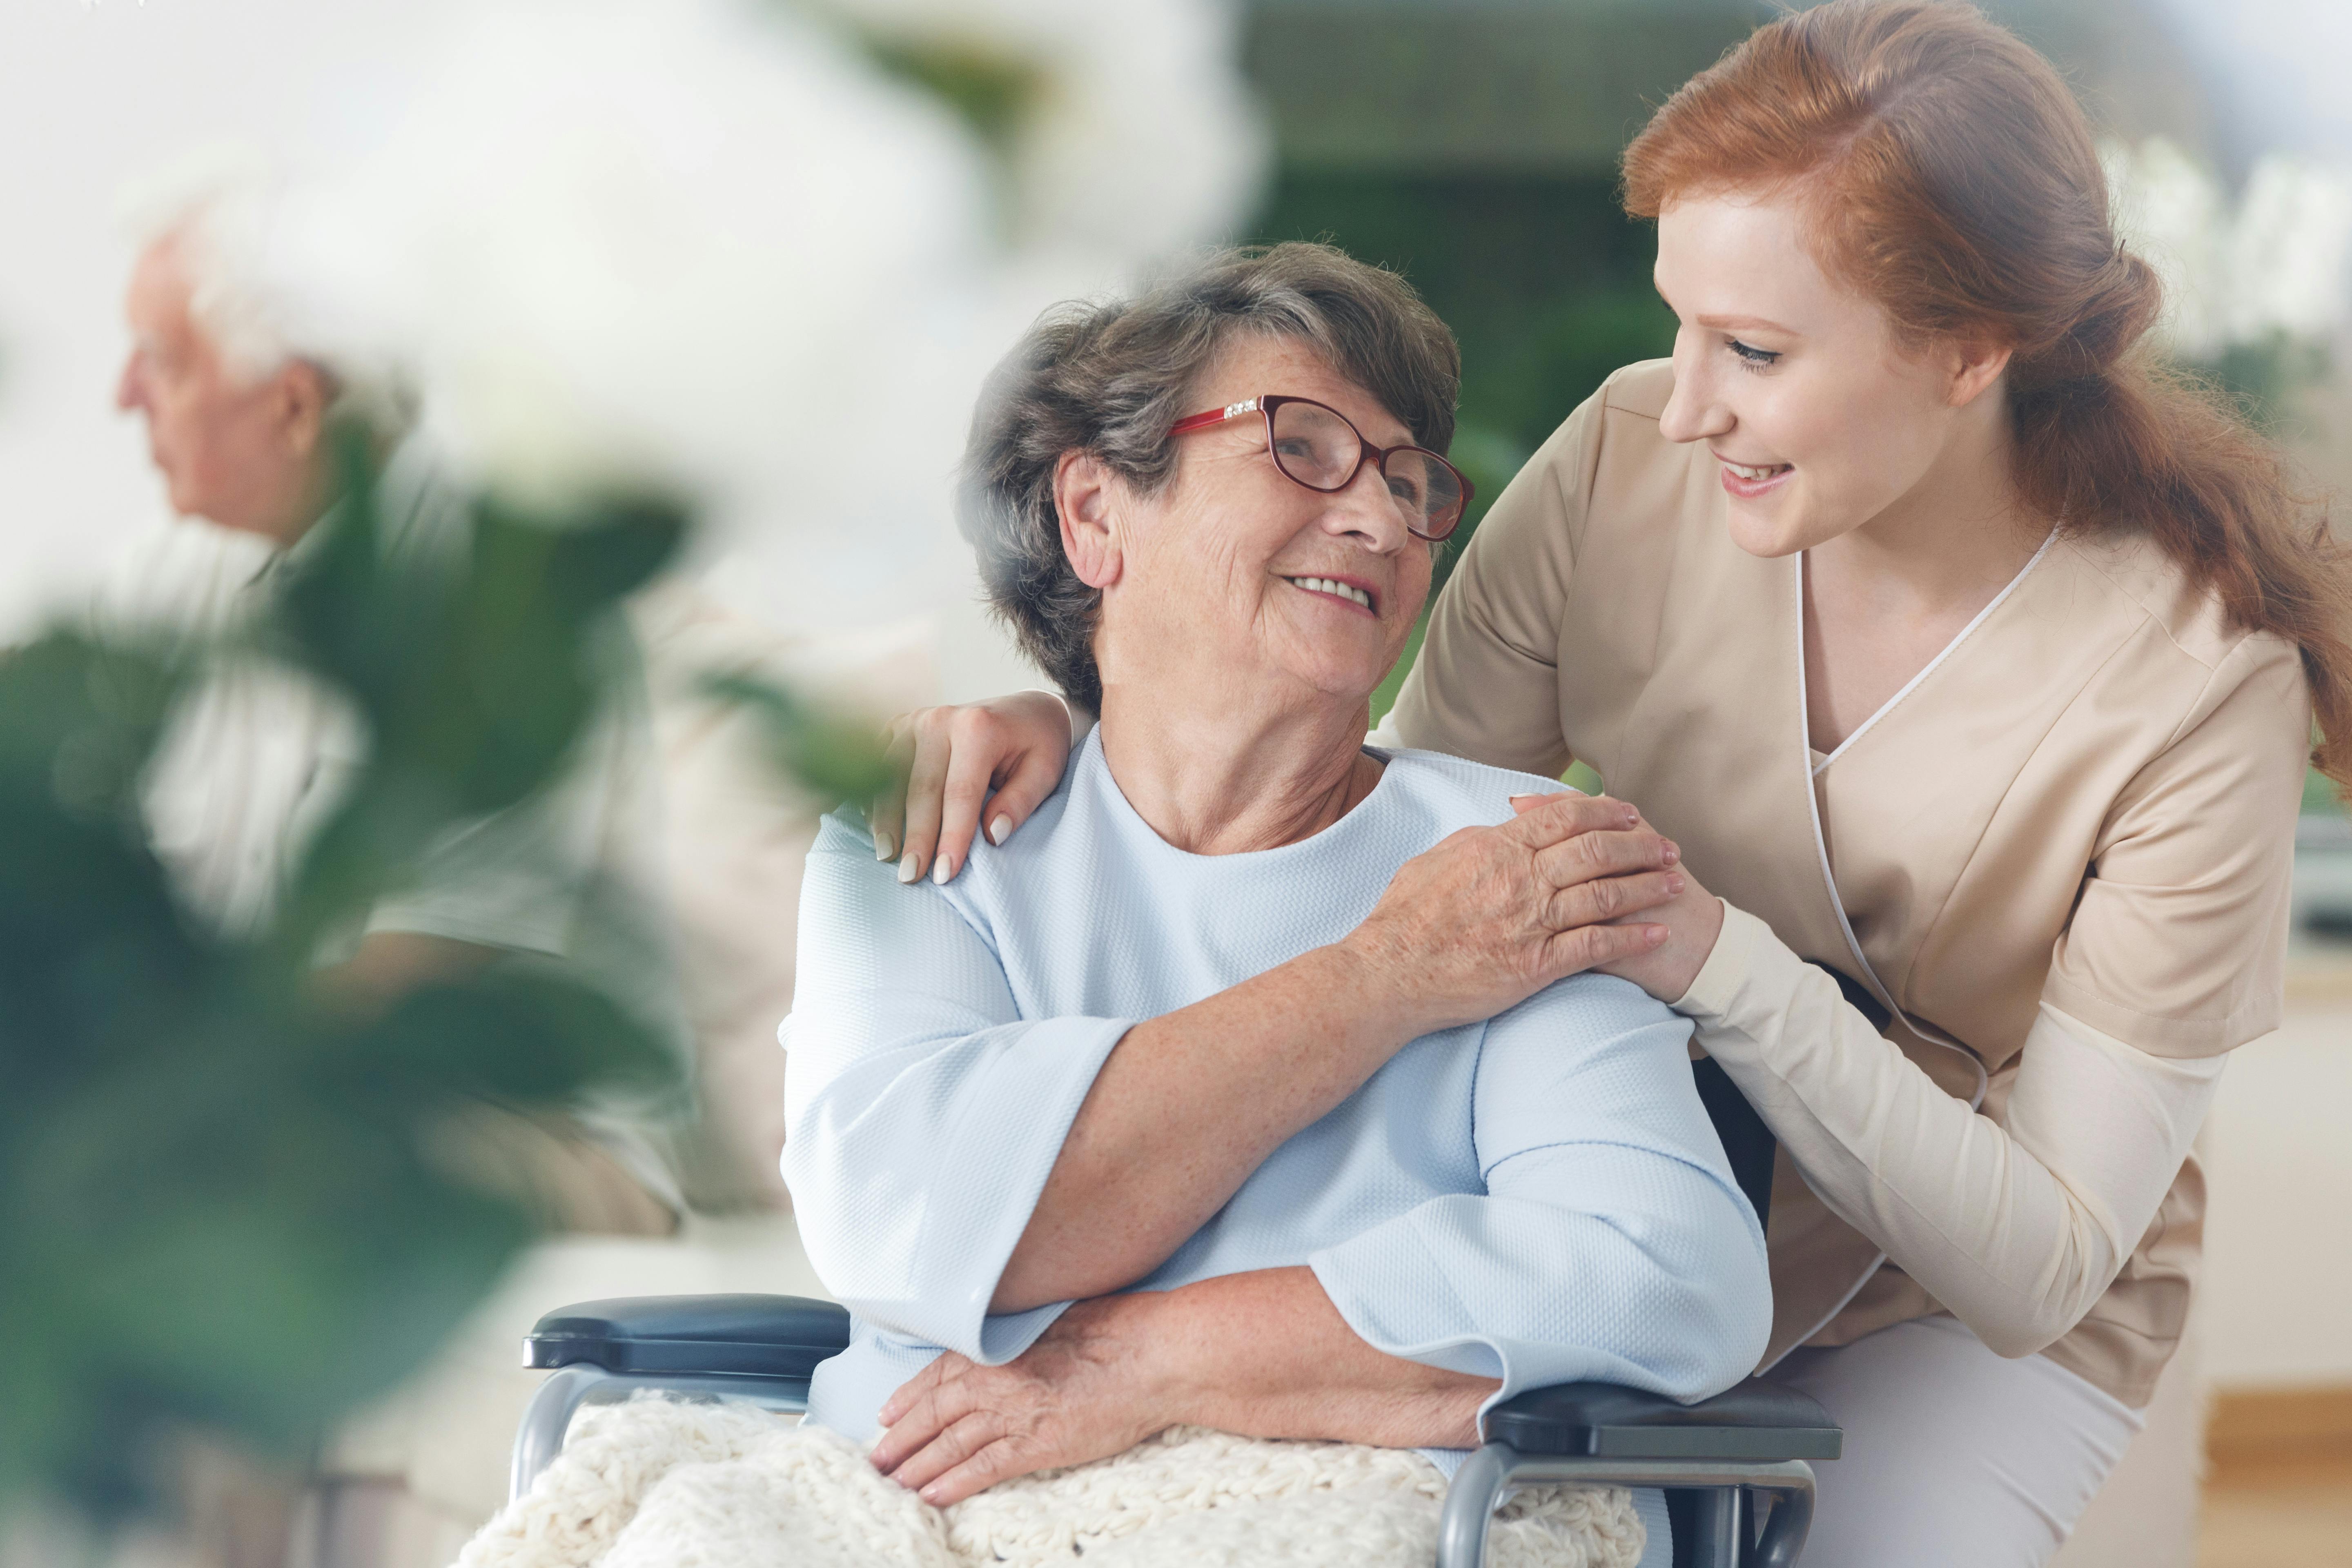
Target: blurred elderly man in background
x=241, y=391
x=238, y=390
x=236, y=419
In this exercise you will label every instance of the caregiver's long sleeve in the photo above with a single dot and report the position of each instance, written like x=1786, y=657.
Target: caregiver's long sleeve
x=1537, y=1199
x=2017, y=1225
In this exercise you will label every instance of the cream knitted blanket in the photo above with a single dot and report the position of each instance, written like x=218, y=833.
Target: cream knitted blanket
x=662, y=1483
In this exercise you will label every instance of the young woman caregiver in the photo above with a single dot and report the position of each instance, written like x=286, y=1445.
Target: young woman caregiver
x=1959, y=650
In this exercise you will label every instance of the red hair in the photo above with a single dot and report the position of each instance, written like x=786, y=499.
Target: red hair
x=1952, y=178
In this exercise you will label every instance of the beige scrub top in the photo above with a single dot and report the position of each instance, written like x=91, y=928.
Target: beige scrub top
x=2086, y=804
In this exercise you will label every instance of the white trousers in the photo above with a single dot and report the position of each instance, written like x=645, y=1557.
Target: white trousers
x=1954, y=1457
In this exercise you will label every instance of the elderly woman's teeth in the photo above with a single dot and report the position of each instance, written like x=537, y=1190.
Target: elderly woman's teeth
x=1329, y=586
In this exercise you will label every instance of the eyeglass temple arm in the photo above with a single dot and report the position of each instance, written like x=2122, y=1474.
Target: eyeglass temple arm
x=1214, y=416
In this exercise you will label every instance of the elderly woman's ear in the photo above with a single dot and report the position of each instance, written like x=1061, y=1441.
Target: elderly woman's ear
x=1086, y=489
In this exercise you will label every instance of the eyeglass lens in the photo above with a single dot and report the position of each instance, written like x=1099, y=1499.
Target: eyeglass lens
x=1320, y=450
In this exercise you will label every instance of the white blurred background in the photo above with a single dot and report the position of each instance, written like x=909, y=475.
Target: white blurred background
x=711, y=220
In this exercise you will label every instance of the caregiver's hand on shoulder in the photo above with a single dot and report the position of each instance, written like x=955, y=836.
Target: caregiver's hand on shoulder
x=1090, y=1387
x=1004, y=755
x=1491, y=915
x=1691, y=919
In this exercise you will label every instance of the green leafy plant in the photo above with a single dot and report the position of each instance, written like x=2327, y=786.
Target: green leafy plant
x=991, y=91
x=221, y=1203
x=838, y=757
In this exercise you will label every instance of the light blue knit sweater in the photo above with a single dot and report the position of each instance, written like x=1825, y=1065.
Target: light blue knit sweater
x=1538, y=1198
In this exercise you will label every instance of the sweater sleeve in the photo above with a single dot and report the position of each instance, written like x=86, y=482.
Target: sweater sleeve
x=1610, y=1241
x=923, y=1113
x=2017, y=1225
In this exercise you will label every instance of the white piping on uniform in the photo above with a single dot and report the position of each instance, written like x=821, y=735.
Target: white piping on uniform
x=1913, y=684
x=1829, y=875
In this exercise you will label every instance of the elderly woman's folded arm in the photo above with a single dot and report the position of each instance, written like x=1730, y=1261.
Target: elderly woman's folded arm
x=926, y=1117
x=1611, y=1244
x=1152, y=1125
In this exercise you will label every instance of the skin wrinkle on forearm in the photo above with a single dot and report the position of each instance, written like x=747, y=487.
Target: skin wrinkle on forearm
x=2017, y=1227
x=1263, y=1353
x=1270, y=1356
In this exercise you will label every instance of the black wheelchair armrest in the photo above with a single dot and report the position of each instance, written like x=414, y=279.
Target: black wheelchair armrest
x=1755, y=1422
x=753, y=1336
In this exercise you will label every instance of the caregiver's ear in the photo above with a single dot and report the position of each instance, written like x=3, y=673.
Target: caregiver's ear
x=1973, y=369
x=1086, y=491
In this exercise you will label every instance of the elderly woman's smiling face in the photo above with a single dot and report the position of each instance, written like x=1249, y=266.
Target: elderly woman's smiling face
x=1225, y=581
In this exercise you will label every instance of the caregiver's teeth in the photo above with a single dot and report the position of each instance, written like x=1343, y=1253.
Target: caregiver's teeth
x=1330, y=586
x=1756, y=475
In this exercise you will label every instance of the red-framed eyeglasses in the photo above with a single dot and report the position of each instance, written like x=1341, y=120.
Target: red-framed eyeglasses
x=1314, y=445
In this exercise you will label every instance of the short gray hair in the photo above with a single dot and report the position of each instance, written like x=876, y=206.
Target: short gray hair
x=221, y=208
x=1110, y=377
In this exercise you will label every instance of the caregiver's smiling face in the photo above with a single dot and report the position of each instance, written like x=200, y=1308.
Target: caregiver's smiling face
x=1235, y=576
x=1819, y=419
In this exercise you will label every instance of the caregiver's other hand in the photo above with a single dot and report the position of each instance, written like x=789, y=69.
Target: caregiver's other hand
x=1004, y=755
x=1692, y=920
x=1491, y=915
x=1087, y=1389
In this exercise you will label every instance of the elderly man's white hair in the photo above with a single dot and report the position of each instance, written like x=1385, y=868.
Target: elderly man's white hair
x=224, y=209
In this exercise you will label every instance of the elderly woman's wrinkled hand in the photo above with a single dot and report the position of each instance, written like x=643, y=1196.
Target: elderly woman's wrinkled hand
x=1090, y=1387
x=1692, y=920
x=1491, y=915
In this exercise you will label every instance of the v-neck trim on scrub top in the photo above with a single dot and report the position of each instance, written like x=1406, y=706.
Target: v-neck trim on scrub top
x=1820, y=762
x=1816, y=764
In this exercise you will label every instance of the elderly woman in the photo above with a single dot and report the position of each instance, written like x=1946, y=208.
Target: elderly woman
x=1244, y=1091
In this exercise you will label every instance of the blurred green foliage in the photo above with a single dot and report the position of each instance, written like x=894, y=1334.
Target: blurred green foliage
x=1541, y=275
x=2320, y=796
x=992, y=92
x=993, y=89
x=2265, y=377
x=220, y=1205
x=1542, y=278
x=1384, y=697
x=839, y=757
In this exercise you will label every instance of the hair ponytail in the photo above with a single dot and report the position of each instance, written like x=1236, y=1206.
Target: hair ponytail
x=1954, y=180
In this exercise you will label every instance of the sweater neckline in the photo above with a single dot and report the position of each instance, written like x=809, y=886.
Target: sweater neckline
x=1094, y=769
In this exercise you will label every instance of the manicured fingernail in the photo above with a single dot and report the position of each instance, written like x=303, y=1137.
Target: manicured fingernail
x=1673, y=852
x=910, y=868
x=930, y=1495
x=886, y=848
x=1632, y=816
x=998, y=829
x=941, y=871
x=1657, y=935
x=1674, y=884
x=1517, y=798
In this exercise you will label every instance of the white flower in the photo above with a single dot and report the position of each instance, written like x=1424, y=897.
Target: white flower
x=2168, y=209
x=2277, y=263
x=1136, y=137
x=2290, y=251
x=714, y=246
x=668, y=242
